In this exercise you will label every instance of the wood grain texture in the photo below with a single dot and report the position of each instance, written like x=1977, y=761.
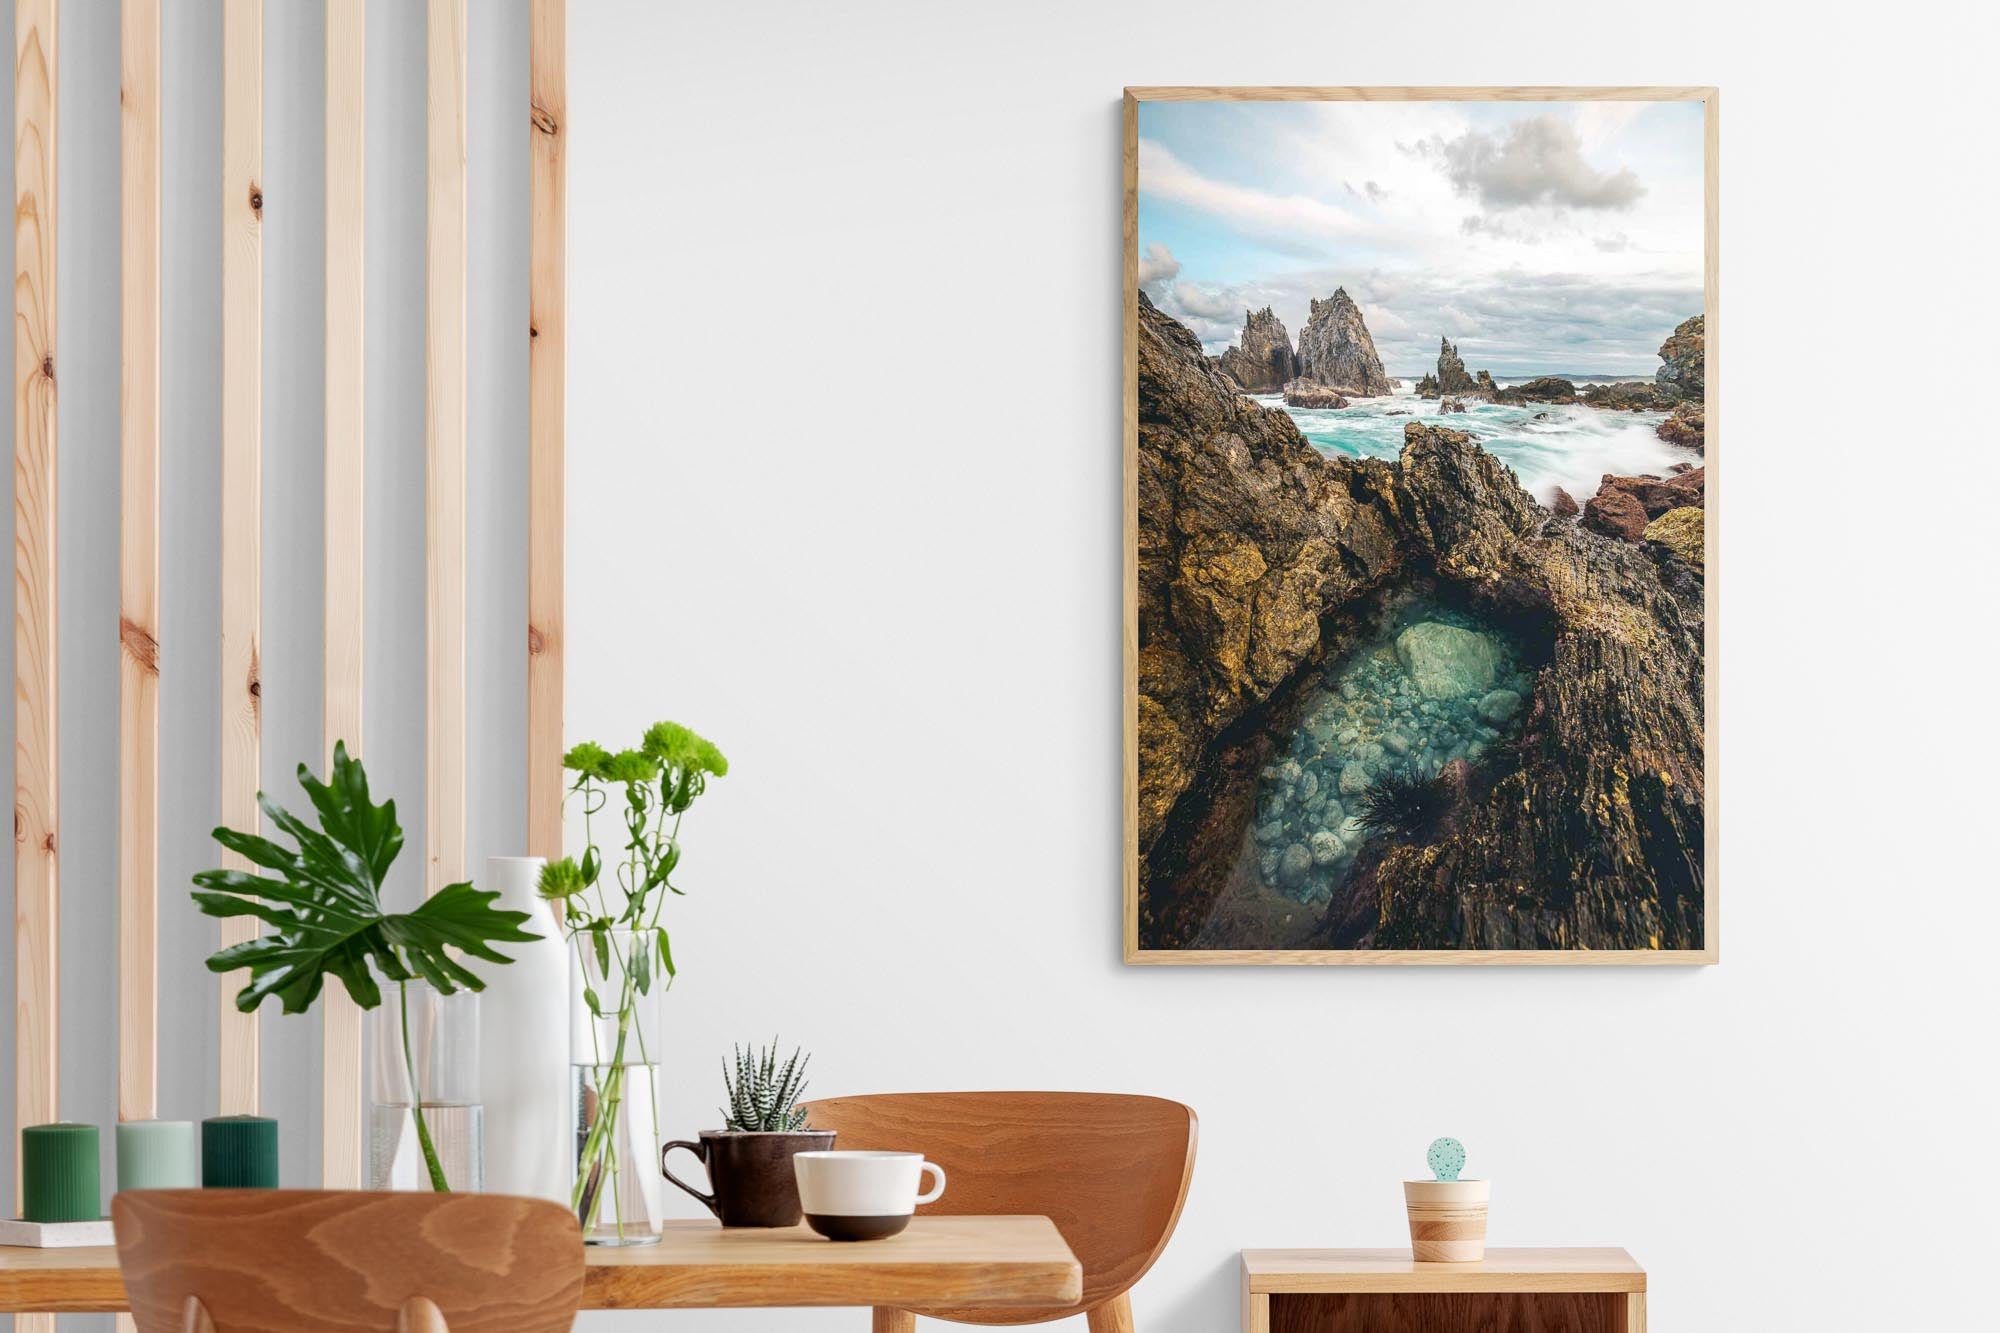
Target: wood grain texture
x=1133, y=954
x=884, y=1320
x=1110, y=1170
x=548, y=65
x=139, y=565
x=139, y=562
x=1557, y=1269
x=242, y=490
x=326, y=1260
x=36, y=910
x=445, y=415
x=343, y=1134
x=1425, y=1312
x=938, y=1262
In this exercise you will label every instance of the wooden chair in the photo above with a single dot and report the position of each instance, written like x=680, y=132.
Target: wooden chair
x=1110, y=1170
x=340, y=1261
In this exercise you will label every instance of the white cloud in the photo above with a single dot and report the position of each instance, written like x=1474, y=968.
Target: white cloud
x=1289, y=223
x=1204, y=304
x=1157, y=265
x=1534, y=161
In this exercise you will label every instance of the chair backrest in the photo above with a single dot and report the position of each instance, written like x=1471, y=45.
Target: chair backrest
x=341, y=1261
x=1110, y=1170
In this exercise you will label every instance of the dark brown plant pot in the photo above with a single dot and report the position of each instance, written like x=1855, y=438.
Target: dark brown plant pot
x=750, y=1174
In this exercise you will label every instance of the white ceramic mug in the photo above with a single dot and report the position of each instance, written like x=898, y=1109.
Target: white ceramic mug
x=862, y=1195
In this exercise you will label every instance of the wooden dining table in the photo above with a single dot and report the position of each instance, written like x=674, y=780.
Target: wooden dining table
x=938, y=1263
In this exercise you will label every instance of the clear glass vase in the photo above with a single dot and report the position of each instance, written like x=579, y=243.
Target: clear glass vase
x=614, y=1052
x=417, y=1030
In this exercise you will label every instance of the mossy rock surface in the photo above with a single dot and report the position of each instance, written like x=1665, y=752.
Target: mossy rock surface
x=1680, y=531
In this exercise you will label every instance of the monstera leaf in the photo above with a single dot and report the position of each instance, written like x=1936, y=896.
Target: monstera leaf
x=322, y=906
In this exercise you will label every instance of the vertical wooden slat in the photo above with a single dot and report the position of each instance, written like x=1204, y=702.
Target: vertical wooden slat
x=343, y=1134
x=548, y=66
x=444, y=509
x=242, y=537
x=139, y=562
x=35, y=871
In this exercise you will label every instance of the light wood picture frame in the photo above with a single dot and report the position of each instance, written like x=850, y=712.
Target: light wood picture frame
x=1440, y=689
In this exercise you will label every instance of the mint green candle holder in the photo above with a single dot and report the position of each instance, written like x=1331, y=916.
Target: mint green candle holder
x=158, y=1155
x=59, y=1174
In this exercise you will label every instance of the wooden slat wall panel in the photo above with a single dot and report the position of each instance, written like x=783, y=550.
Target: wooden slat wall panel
x=35, y=831
x=139, y=564
x=444, y=509
x=242, y=487
x=343, y=1132
x=548, y=64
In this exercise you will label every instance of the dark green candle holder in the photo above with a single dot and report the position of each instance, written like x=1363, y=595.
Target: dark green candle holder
x=59, y=1174
x=239, y=1152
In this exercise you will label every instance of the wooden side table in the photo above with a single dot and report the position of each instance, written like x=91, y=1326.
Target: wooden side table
x=1386, y=1291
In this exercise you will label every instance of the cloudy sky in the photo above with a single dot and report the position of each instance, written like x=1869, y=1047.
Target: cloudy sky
x=1540, y=237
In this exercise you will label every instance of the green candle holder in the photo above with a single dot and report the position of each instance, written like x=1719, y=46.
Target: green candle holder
x=59, y=1173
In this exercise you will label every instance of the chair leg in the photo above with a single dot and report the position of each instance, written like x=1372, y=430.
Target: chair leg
x=1114, y=1316
x=894, y=1321
x=194, y=1317
x=420, y=1315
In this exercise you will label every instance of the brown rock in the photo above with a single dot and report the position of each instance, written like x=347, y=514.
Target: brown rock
x=1304, y=393
x=1684, y=354
x=1564, y=505
x=1450, y=405
x=1615, y=513
x=1262, y=360
x=1656, y=495
x=1686, y=425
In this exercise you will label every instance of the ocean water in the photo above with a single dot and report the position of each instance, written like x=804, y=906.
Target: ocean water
x=1572, y=447
x=1431, y=684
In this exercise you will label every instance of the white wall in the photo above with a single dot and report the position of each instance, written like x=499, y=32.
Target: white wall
x=844, y=496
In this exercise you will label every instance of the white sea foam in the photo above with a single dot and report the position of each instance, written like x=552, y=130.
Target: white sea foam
x=1546, y=446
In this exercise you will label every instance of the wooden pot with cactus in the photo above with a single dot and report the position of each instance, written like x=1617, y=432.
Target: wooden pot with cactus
x=749, y=1160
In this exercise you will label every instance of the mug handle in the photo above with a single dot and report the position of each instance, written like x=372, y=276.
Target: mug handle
x=707, y=1200
x=937, y=1191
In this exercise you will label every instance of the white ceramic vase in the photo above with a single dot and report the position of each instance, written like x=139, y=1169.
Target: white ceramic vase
x=524, y=1036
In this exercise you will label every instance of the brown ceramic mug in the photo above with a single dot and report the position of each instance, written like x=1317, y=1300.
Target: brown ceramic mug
x=750, y=1174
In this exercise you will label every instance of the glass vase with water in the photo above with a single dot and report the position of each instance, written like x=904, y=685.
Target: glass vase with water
x=616, y=984
x=420, y=1037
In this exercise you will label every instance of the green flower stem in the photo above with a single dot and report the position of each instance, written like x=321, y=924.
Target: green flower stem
x=431, y=1162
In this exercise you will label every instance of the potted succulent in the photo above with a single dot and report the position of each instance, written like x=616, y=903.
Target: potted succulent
x=1447, y=1215
x=749, y=1160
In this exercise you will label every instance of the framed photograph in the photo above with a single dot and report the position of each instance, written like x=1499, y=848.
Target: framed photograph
x=1420, y=525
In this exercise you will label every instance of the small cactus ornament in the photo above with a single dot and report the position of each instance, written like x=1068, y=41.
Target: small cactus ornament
x=1447, y=1158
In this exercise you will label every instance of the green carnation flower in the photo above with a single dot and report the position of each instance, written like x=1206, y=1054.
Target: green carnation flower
x=561, y=879
x=678, y=747
x=588, y=758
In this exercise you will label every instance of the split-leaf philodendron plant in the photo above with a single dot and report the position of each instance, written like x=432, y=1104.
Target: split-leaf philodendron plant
x=618, y=928
x=323, y=914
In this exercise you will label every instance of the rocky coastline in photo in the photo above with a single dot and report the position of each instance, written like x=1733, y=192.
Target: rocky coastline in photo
x=1315, y=629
